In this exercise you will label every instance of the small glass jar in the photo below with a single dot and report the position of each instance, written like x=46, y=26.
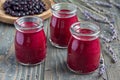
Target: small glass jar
x=63, y=16
x=84, y=48
x=30, y=40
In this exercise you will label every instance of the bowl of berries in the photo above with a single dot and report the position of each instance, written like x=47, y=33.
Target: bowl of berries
x=10, y=10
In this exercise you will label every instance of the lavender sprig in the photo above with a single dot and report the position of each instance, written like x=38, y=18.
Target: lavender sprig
x=98, y=10
x=111, y=52
x=101, y=66
x=116, y=5
x=104, y=11
x=103, y=20
x=89, y=15
x=105, y=39
x=109, y=49
x=104, y=4
x=114, y=35
x=86, y=14
x=114, y=32
x=95, y=18
x=100, y=3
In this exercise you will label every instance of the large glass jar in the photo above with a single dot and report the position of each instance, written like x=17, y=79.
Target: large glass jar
x=30, y=40
x=63, y=16
x=84, y=48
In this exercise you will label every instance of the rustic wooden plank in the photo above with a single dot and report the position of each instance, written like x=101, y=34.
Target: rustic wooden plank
x=6, y=42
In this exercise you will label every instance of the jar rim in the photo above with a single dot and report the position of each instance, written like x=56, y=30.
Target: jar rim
x=95, y=33
x=55, y=8
x=19, y=27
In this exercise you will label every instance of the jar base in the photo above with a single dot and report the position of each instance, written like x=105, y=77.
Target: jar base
x=78, y=72
x=24, y=64
x=56, y=45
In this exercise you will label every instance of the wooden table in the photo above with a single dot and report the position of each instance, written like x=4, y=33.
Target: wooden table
x=54, y=67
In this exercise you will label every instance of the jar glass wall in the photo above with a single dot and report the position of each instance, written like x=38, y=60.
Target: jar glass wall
x=30, y=40
x=63, y=16
x=84, y=48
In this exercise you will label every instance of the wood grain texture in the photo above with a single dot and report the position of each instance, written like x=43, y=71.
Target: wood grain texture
x=10, y=19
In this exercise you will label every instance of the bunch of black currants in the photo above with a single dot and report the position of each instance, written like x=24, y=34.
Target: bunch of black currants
x=18, y=8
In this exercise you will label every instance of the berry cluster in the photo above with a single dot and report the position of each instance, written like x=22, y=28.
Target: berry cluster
x=20, y=8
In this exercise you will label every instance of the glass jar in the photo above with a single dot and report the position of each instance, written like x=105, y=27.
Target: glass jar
x=63, y=16
x=30, y=40
x=84, y=48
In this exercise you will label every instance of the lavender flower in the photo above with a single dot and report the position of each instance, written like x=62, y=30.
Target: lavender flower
x=111, y=52
x=114, y=35
x=100, y=3
x=114, y=32
x=95, y=18
x=101, y=67
x=86, y=14
x=105, y=4
x=105, y=39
